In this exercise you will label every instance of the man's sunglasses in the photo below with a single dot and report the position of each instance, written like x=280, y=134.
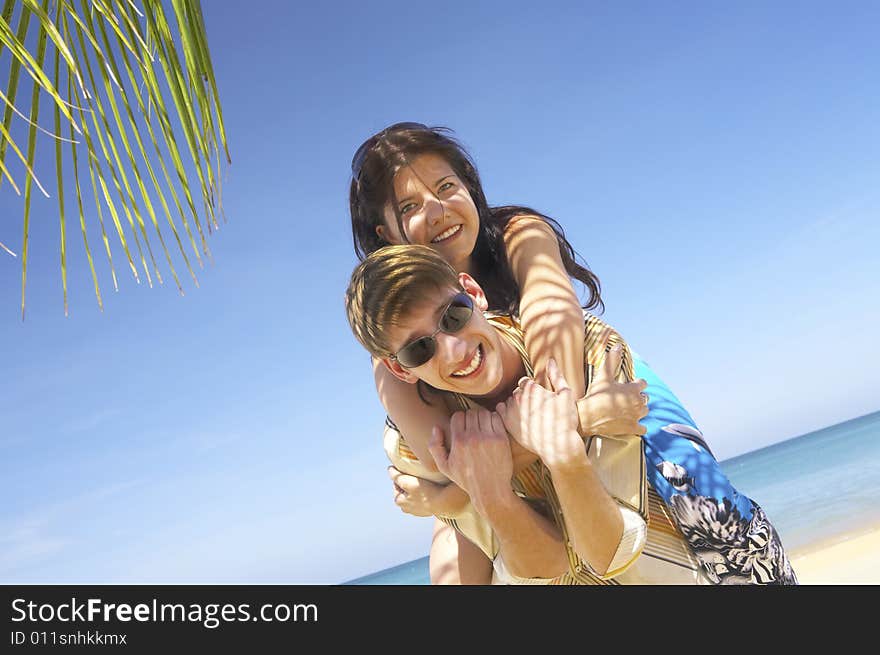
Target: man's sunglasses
x=357, y=161
x=456, y=315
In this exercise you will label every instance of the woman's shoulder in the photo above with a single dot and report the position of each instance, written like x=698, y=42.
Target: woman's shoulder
x=525, y=217
x=527, y=225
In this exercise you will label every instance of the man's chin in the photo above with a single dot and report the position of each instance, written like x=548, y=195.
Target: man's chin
x=484, y=387
x=477, y=391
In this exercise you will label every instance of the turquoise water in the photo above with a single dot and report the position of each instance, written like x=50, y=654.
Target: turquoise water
x=812, y=488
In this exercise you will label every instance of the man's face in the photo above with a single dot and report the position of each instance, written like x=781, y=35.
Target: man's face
x=467, y=362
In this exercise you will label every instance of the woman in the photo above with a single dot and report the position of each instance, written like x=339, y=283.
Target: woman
x=414, y=184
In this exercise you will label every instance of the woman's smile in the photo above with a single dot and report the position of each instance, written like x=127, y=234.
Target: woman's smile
x=447, y=234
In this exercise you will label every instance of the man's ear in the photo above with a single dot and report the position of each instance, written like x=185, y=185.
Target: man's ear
x=399, y=371
x=474, y=290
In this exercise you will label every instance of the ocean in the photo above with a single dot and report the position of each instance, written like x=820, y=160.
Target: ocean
x=814, y=488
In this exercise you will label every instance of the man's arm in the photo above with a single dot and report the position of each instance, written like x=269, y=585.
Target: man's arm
x=545, y=422
x=478, y=459
x=592, y=517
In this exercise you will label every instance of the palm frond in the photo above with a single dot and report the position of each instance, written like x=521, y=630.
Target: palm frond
x=103, y=84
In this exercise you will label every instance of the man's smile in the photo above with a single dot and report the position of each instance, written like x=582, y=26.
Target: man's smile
x=472, y=366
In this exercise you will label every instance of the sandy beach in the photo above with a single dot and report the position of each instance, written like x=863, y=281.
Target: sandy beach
x=848, y=559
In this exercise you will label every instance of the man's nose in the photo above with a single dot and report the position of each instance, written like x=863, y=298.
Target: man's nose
x=452, y=350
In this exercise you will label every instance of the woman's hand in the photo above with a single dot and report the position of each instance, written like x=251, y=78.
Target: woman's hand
x=612, y=408
x=543, y=420
x=420, y=497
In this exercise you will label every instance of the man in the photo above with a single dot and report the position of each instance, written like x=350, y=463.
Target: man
x=478, y=362
x=539, y=508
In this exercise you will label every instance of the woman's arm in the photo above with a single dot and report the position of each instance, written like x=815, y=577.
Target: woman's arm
x=414, y=417
x=551, y=316
x=553, y=324
x=421, y=497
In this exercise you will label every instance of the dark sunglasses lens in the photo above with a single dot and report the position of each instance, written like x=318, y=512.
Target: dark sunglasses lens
x=416, y=353
x=457, y=314
x=358, y=160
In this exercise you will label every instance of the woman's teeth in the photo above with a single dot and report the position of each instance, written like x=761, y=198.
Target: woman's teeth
x=445, y=234
x=476, y=360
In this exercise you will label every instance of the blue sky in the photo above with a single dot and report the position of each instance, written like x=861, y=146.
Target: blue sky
x=715, y=164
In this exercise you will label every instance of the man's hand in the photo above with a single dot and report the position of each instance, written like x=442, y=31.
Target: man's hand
x=476, y=456
x=612, y=408
x=543, y=420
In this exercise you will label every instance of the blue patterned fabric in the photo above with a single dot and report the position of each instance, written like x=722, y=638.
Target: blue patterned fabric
x=727, y=531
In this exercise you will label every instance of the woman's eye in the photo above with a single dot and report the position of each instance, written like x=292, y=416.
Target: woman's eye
x=408, y=207
x=445, y=186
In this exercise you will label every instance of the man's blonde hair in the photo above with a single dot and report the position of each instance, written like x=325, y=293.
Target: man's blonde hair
x=386, y=286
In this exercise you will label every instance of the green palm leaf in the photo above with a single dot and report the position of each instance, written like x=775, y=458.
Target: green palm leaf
x=103, y=83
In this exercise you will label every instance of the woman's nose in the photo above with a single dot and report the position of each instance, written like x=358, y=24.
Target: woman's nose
x=434, y=209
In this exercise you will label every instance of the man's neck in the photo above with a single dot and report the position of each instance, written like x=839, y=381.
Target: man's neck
x=514, y=369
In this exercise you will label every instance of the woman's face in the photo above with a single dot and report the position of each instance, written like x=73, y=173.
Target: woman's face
x=436, y=210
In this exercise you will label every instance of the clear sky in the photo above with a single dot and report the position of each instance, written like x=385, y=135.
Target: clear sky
x=715, y=163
